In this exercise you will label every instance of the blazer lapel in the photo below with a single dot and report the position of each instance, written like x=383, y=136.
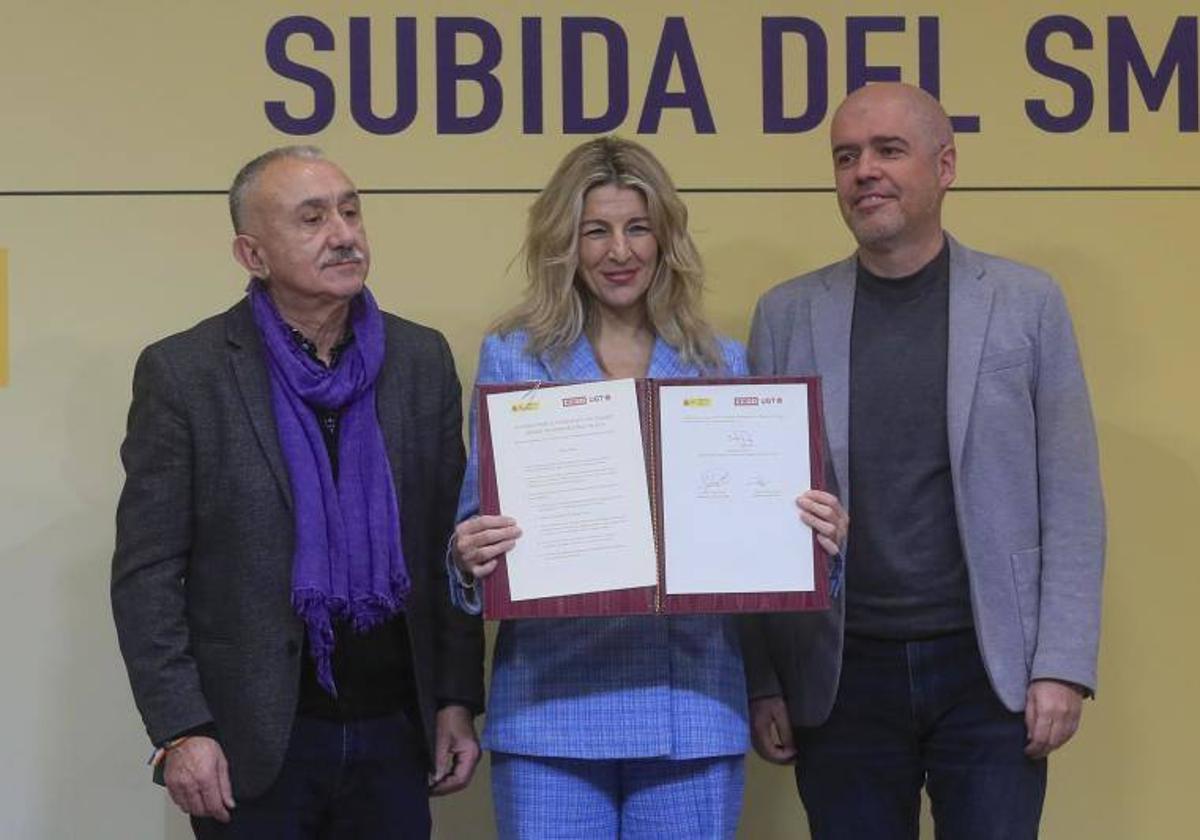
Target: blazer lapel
x=665, y=362
x=970, y=309
x=390, y=395
x=247, y=359
x=578, y=364
x=832, y=317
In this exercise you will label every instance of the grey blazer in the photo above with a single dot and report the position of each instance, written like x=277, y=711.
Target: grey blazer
x=1024, y=465
x=201, y=574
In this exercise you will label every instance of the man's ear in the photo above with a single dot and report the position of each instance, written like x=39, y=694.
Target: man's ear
x=947, y=161
x=245, y=251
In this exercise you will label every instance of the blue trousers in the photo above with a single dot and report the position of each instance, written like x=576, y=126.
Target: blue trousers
x=540, y=798
x=363, y=779
x=913, y=714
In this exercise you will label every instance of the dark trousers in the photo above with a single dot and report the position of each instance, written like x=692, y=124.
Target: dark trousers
x=362, y=779
x=910, y=714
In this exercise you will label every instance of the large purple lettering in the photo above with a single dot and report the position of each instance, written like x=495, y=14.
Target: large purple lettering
x=531, y=75
x=858, y=72
x=817, y=75
x=450, y=73
x=929, y=71
x=1083, y=97
x=675, y=45
x=1125, y=55
x=617, y=46
x=321, y=85
x=406, y=77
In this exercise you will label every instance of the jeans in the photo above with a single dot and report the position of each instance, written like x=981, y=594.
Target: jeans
x=913, y=714
x=362, y=779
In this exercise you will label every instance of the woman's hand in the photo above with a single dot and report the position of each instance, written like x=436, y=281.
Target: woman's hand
x=823, y=513
x=479, y=541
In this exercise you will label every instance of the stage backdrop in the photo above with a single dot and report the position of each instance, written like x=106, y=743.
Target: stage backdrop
x=123, y=123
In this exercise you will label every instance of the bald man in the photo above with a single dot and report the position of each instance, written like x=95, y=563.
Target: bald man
x=278, y=584
x=964, y=634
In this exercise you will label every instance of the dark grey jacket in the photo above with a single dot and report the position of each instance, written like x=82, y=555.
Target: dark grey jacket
x=201, y=575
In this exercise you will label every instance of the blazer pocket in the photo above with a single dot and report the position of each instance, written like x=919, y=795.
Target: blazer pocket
x=1005, y=359
x=1027, y=578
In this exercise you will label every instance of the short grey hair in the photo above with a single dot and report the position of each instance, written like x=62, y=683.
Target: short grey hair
x=249, y=173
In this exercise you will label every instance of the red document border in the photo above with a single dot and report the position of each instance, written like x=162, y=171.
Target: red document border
x=497, y=603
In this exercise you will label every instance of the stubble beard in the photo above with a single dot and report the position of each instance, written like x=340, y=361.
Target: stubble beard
x=877, y=230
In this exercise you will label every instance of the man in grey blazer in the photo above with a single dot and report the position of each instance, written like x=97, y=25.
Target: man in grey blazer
x=278, y=583
x=962, y=444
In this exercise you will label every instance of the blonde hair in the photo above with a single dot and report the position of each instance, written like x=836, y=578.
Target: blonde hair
x=557, y=308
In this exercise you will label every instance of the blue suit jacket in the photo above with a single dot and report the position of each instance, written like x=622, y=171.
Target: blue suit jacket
x=603, y=688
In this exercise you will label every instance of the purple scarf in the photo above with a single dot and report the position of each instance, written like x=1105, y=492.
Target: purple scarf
x=348, y=564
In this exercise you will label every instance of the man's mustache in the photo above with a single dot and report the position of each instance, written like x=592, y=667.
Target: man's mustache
x=338, y=256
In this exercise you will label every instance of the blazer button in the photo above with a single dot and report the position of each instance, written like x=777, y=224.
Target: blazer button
x=293, y=647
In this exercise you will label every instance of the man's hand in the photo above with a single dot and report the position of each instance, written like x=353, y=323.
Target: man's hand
x=456, y=751
x=1052, y=712
x=771, y=730
x=197, y=777
x=823, y=513
x=480, y=540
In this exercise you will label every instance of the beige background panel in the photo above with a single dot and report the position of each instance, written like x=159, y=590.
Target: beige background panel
x=94, y=279
x=3, y=317
x=140, y=94
x=143, y=95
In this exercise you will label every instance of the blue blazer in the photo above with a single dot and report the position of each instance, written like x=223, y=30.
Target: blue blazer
x=605, y=688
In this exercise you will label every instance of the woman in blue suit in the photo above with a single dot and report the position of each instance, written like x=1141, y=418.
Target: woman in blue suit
x=607, y=727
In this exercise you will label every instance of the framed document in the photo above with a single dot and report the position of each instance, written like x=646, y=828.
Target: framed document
x=653, y=495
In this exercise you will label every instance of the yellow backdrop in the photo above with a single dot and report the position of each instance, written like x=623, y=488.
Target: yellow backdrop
x=124, y=121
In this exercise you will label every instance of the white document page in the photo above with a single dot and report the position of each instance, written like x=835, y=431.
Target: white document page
x=734, y=459
x=570, y=470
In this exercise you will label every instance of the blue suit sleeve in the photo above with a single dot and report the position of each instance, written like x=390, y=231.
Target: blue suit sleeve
x=490, y=369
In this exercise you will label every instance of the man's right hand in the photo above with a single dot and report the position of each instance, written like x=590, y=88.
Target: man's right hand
x=197, y=777
x=771, y=730
x=823, y=513
x=479, y=541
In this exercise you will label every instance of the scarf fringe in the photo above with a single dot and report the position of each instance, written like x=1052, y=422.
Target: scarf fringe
x=319, y=610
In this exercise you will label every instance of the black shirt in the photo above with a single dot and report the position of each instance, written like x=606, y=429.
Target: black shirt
x=905, y=574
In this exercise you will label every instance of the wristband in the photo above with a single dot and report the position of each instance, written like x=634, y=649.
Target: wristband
x=159, y=755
